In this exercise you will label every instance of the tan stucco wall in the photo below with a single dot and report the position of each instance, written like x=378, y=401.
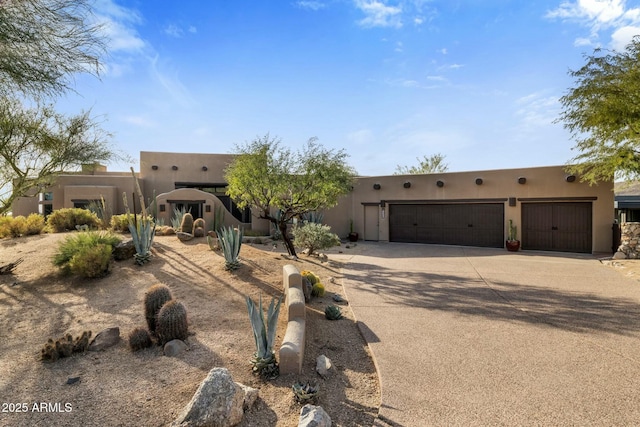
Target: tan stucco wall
x=109, y=185
x=189, y=169
x=544, y=183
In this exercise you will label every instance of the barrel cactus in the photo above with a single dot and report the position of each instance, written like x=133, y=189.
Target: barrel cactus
x=139, y=339
x=313, y=279
x=172, y=322
x=317, y=290
x=186, y=226
x=155, y=297
x=198, y=228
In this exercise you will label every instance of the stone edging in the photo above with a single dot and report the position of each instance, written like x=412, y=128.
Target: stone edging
x=292, y=349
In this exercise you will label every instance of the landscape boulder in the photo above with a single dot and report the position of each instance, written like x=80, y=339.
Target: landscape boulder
x=219, y=401
x=124, y=250
x=105, y=339
x=314, y=416
x=323, y=366
x=174, y=348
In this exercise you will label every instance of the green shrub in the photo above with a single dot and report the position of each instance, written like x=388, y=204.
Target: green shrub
x=313, y=236
x=92, y=261
x=84, y=243
x=67, y=219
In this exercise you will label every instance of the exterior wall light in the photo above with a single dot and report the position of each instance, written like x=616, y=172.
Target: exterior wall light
x=440, y=183
x=479, y=181
x=407, y=184
x=522, y=180
x=570, y=178
x=377, y=186
x=154, y=167
x=174, y=167
x=204, y=168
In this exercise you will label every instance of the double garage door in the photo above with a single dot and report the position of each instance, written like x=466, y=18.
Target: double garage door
x=477, y=224
x=547, y=226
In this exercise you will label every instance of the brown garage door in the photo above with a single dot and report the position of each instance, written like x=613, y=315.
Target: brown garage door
x=563, y=227
x=480, y=224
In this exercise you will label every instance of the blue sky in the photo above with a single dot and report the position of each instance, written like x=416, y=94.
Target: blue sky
x=389, y=81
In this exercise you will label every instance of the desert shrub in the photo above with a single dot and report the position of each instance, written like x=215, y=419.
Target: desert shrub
x=92, y=261
x=77, y=254
x=68, y=218
x=4, y=226
x=17, y=226
x=120, y=223
x=34, y=224
x=313, y=236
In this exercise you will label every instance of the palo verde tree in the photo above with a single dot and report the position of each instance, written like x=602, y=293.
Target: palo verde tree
x=432, y=164
x=38, y=144
x=43, y=43
x=279, y=184
x=602, y=112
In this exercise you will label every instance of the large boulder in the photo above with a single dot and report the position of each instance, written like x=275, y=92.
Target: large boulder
x=314, y=416
x=219, y=402
x=124, y=250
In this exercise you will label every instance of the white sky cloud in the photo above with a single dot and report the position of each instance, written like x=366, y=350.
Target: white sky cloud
x=311, y=5
x=118, y=25
x=173, y=31
x=599, y=16
x=379, y=14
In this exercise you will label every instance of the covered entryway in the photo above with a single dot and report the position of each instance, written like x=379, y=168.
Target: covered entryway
x=466, y=224
x=557, y=226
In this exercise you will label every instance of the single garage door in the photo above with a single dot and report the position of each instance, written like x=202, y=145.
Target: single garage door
x=479, y=224
x=561, y=226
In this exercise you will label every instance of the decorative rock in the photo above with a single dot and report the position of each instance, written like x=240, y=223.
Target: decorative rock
x=182, y=236
x=124, y=250
x=105, y=339
x=73, y=380
x=323, y=366
x=314, y=416
x=619, y=255
x=250, y=396
x=174, y=348
x=306, y=289
x=337, y=298
x=217, y=402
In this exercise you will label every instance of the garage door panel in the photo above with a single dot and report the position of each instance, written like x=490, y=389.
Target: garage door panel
x=450, y=224
x=557, y=226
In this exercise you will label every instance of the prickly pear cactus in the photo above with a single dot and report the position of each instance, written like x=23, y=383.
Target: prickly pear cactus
x=155, y=297
x=139, y=339
x=186, y=226
x=172, y=322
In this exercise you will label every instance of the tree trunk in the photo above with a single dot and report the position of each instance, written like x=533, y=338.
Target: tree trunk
x=282, y=226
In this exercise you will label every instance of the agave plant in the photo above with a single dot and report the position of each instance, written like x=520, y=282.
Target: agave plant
x=333, y=312
x=230, y=241
x=305, y=392
x=264, y=359
x=143, y=229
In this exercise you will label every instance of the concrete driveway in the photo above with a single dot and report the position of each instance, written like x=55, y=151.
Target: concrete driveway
x=478, y=337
